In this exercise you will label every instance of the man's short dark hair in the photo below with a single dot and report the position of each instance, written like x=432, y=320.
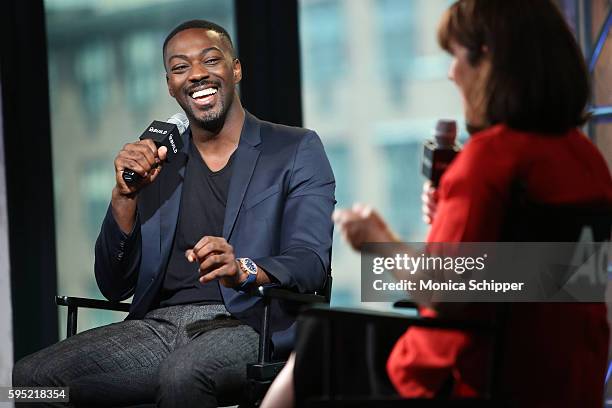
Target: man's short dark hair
x=203, y=24
x=538, y=79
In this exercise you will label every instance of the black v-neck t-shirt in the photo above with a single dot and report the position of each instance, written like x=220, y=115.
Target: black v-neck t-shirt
x=202, y=212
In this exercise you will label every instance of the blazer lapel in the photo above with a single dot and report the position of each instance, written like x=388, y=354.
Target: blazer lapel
x=244, y=165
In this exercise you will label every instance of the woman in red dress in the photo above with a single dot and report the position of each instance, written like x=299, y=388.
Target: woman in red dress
x=524, y=88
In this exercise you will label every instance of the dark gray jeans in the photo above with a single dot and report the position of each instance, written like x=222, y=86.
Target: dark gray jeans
x=178, y=356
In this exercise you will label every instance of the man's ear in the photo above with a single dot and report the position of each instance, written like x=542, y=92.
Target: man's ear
x=237, y=71
x=168, y=85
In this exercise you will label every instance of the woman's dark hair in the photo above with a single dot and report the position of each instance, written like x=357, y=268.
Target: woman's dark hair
x=538, y=79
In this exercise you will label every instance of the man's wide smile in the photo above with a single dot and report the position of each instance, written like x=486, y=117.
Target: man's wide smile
x=203, y=96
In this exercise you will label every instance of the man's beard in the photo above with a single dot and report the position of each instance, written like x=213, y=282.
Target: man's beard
x=210, y=120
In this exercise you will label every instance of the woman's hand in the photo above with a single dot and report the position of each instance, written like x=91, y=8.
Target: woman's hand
x=429, y=197
x=362, y=224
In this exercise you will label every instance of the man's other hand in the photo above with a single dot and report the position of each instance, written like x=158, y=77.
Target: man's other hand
x=216, y=260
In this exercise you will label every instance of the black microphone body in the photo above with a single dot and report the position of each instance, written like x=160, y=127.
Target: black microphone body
x=163, y=134
x=439, y=152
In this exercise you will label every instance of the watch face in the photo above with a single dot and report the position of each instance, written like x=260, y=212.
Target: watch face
x=249, y=265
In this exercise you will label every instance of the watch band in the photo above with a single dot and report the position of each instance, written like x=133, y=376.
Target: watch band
x=247, y=283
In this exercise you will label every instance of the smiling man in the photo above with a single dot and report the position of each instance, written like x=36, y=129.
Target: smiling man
x=244, y=203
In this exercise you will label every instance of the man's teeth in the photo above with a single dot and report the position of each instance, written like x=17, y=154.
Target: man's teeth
x=204, y=92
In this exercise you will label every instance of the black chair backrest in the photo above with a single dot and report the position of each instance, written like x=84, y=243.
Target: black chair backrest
x=530, y=221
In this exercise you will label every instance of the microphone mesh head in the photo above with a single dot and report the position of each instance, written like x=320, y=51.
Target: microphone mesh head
x=180, y=120
x=445, y=132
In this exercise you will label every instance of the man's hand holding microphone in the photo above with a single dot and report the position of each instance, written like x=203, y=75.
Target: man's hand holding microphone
x=139, y=163
x=143, y=158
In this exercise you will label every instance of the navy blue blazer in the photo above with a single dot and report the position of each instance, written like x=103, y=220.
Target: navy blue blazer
x=278, y=213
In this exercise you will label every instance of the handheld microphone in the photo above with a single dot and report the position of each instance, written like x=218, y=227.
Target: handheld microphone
x=167, y=134
x=439, y=152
